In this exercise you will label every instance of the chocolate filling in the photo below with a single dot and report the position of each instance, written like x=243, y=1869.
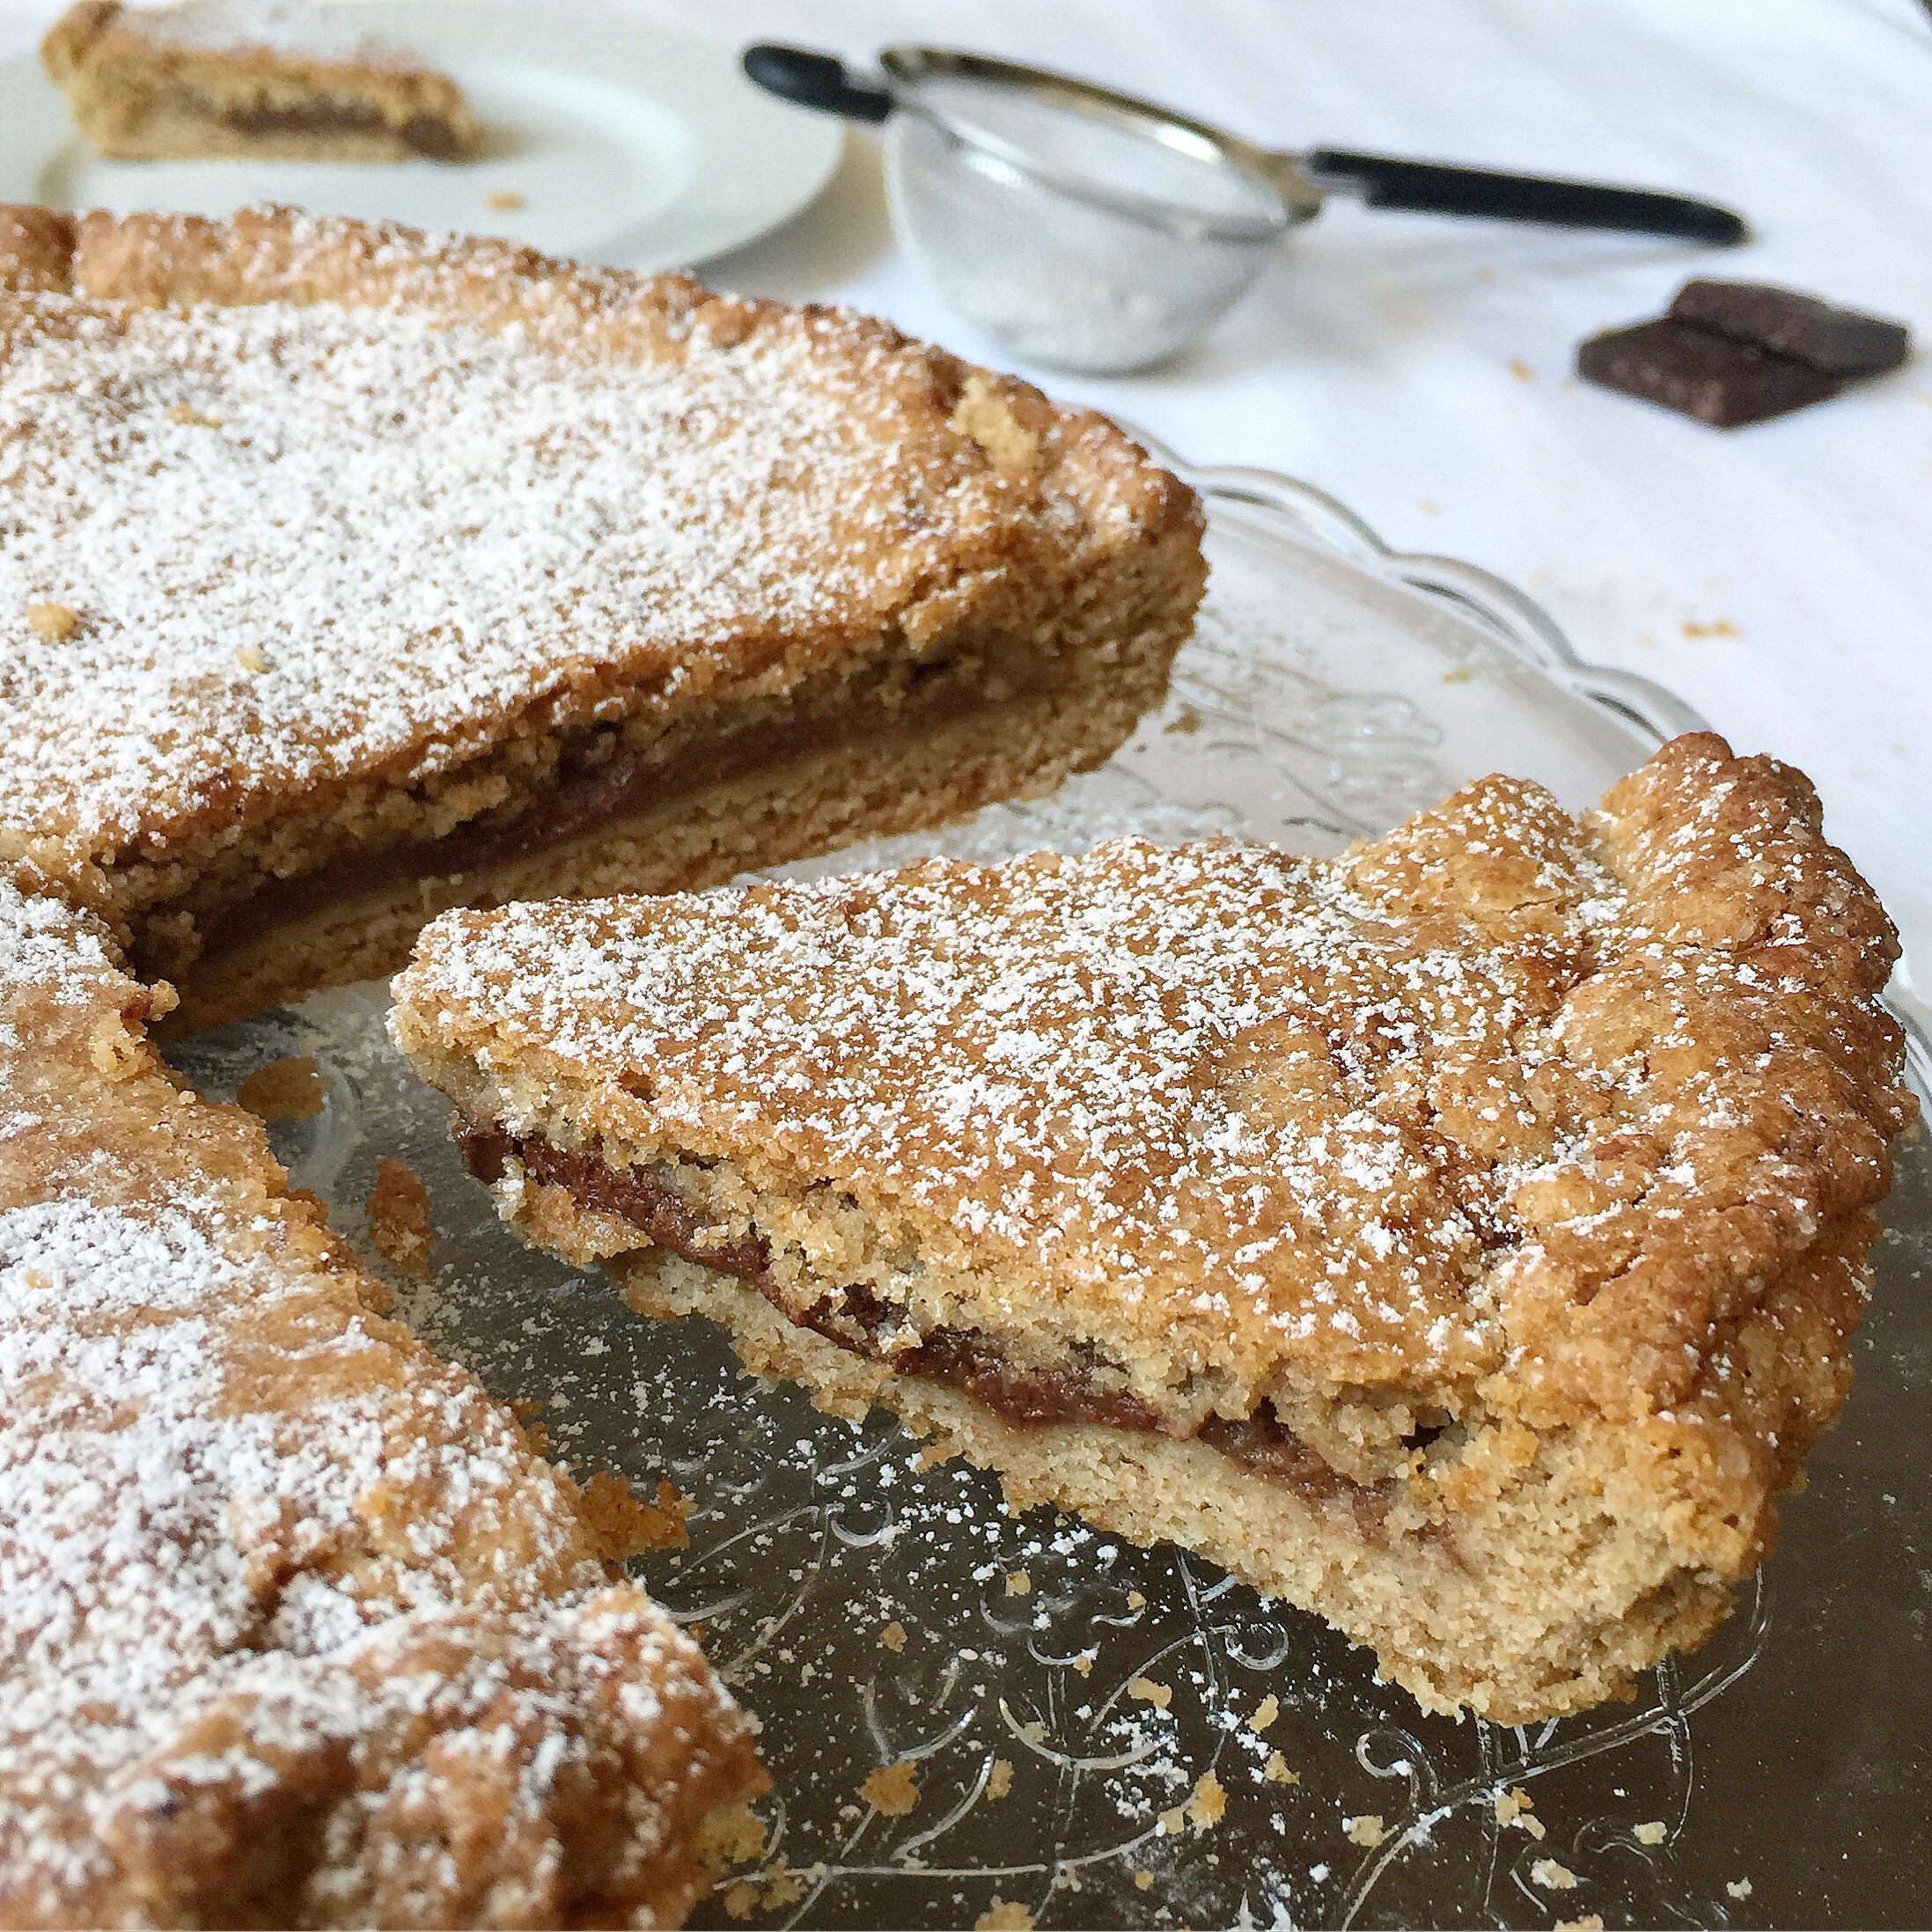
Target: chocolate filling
x=581, y=801
x=856, y=1319
x=427, y=134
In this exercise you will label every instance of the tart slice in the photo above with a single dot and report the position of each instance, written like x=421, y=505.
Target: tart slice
x=1459, y=1240
x=351, y=573
x=267, y=80
x=295, y=1629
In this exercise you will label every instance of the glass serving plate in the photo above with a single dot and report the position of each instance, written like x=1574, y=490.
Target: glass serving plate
x=1059, y=1695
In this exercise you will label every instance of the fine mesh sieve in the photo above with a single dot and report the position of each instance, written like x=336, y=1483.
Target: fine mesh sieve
x=1097, y=233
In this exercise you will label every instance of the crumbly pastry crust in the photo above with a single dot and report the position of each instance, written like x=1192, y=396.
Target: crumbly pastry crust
x=603, y=582
x=295, y=1629
x=249, y=79
x=1460, y=1238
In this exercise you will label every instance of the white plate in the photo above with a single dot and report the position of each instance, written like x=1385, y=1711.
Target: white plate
x=629, y=142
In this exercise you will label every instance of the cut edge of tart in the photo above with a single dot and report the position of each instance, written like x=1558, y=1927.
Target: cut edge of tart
x=354, y=573
x=298, y=1629
x=263, y=80
x=1460, y=1238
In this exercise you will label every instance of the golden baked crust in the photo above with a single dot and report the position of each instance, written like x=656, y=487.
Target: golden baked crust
x=294, y=1628
x=1518, y=1167
x=493, y=527
x=249, y=79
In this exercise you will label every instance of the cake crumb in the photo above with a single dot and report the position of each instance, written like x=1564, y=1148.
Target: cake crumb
x=253, y=657
x=1521, y=369
x=893, y=1789
x=1135, y=1601
x=1173, y=1823
x=1652, y=1833
x=1143, y=1881
x=1184, y=723
x=1083, y=1665
x=53, y=623
x=504, y=199
x=999, y=1780
x=625, y=1525
x=1590, y=1922
x=1551, y=1877
x=983, y=413
x=1159, y=1695
x=781, y=1888
x=1513, y=1808
x=1033, y=1731
x=118, y=1050
x=1718, y=627
x=399, y=1218
x=1018, y=1583
x=1276, y=1772
x=1739, y=1888
x=1209, y=1804
x=1007, y=1917
x=741, y=1898
x=740, y=1834
x=1265, y=1714
x=893, y=1635
x=1367, y=1831
x=291, y=1089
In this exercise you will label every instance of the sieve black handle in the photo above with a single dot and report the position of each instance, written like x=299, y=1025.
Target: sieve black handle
x=814, y=80
x=1436, y=188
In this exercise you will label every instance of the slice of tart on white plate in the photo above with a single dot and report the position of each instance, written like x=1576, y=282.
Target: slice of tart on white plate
x=265, y=80
x=1460, y=1238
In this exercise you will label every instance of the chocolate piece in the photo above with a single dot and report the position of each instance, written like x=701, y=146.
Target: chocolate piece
x=1840, y=342
x=1701, y=373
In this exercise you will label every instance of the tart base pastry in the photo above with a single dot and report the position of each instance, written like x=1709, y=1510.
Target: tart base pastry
x=352, y=574
x=265, y=80
x=294, y=1629
x=1459, y=1238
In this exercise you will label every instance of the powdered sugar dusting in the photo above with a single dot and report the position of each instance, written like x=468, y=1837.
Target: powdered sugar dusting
x=1187, y=1080
x=316, y=29
x=253, y=1549
x=1400, y=1121
x=355, y=541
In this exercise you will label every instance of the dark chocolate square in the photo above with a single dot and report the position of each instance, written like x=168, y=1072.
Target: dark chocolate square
x=1840, y=342
x=1701, y=373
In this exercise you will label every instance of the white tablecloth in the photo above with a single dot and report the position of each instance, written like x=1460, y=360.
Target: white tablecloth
x=1779, y=577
